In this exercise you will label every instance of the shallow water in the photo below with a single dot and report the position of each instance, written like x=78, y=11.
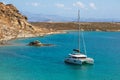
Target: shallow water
x=23, y=62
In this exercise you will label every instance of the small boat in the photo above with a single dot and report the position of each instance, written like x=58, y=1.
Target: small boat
x=77, y=57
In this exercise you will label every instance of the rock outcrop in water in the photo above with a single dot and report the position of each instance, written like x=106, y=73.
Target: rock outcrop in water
x=38, y=43
x=13, y=24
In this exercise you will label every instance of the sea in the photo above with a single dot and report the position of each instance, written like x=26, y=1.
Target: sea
x=22, y=62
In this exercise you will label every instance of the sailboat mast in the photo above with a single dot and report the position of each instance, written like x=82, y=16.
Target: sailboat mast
x=78, y=30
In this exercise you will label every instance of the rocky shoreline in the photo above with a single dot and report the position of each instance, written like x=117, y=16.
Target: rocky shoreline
x=7, y=41
x=61, y=27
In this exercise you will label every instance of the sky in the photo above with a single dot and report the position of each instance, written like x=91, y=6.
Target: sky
x=68, y=8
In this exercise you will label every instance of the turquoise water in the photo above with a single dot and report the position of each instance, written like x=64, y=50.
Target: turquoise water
x=21, y=62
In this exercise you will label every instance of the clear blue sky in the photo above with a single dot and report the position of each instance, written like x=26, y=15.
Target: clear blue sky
x=88, y=8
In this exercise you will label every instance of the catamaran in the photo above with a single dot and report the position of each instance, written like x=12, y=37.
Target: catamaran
x=76, y=57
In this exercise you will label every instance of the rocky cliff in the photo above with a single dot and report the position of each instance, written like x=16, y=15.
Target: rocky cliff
x=13, y=24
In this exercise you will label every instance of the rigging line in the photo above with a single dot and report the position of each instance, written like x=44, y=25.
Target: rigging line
x=84, y=46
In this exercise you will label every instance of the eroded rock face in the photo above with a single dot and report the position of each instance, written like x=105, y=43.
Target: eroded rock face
x=13, y=24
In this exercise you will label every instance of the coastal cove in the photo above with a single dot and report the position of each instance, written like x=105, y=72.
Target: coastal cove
x=47, y=63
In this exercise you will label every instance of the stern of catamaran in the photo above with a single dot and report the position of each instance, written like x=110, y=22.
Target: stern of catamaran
x=89, y=61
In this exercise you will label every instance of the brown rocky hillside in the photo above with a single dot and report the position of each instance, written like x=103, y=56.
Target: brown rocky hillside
x=86, y=26
x=13, y=24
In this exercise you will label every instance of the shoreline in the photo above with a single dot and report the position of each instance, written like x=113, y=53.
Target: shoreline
x=64, y=27
x=42, y=35
x=7, y=42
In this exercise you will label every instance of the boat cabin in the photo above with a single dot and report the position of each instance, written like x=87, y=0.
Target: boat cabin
x=77, y=56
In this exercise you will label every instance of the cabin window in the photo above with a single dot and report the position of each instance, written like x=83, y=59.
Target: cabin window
x=74, y=57
x=74, y=60
x=82, y=57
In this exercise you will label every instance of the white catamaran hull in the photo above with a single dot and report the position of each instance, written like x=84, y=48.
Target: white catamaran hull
x=73, y=61
x=79, y=61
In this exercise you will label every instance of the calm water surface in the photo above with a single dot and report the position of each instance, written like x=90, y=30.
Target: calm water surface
x=21, y=62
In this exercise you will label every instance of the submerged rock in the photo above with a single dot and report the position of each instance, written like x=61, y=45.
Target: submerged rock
x=38, y=43
x=35, y=43
x=3, y=42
